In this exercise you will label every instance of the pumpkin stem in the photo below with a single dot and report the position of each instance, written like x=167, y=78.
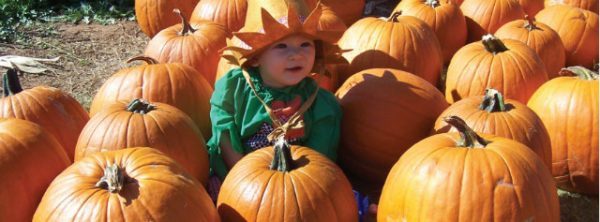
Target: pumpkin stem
x=140, y=106
x=394, y=16
x=493, y=101
x=10, y=82
x=468, y=137
x=282, y=160
x=529, y=23
x=187, y=28
x=579, y=71
x=149, y=60
x=112, y=180
x=432, y=3
x=493, y=44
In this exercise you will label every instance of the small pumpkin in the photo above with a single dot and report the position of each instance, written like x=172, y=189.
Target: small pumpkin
x=507, y=65
x=30, y=158
x=541, y=38
x=155, y=15
x=492, y=114
x=194, y=44
x=568, y=107
x=56, y=111
x=229, y=13
x=175, y=84
x=138, y=123
x=284, y=183
x=385, y=112
x=467, y=176
x=134, y=184
x=485, y=17
x=580, y=37
x=398, y=42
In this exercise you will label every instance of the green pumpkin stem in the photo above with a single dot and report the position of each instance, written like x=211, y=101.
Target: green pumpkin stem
x=140, y=106
x=394, y=16
x=282, y=160
x=530, y=24
x=10, y=82
x=432, y=3
x=493, y=101
x=187, y=28
x=112, y=180
x=468, y=137
x=149, y=60
x=579, y=71
x=492, y=44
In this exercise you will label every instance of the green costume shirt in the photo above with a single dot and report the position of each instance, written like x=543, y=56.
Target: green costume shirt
x=235, y=109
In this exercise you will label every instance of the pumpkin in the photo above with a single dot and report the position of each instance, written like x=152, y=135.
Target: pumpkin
x=541, y=38
x=56, y=111
x=348, y=10
x=195, y=44
x=285, y=183
x=175, y=84
x=568, y=107
x=385, y=112
x=155, y=15
x=507, y=65
x=580, y=37
x=30, y=158
x=531, y=7
x=399, y=42
x=485, y=17
x=591, y=5
x=444, y=17
x=468, y=177
x=138, y=123
x=492, y=114
x=229, y=13
x=134, y=184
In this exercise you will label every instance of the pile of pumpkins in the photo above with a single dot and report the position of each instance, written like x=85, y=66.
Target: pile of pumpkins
x=452, y=110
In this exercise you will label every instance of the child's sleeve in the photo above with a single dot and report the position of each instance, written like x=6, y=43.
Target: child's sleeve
x=324, y=134
x=222, y=116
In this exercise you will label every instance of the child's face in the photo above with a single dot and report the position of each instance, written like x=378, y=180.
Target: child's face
x=287, y=62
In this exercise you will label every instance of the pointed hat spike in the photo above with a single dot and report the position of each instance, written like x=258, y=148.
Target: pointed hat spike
x=293, y=20
x=311, y=24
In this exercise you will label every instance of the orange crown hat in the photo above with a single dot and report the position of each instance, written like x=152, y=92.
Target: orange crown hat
x=256, y=36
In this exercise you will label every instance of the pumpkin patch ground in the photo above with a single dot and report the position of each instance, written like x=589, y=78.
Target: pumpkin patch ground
x=90, y=53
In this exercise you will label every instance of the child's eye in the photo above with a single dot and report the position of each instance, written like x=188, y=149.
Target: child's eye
x=306, y=44
x=280, y=46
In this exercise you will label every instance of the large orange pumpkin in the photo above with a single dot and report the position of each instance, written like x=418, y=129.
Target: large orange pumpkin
x=399, y=42
x=56, y=111
x=580, y=36
x=286, y=184
x=485, y=17
x=532, y=7
x=30, y=158
x=155, y=15
x=568, y=106
x=138, y=123
x=348, y=10
x=467, y=177
x=134, y=184
x=385, y=112
x=229, y=13
x=591, y=5
x=444, y=17
x=492, y=114
x=507, y=65
x=541, y=38
x=175, y=84
x=195, y=44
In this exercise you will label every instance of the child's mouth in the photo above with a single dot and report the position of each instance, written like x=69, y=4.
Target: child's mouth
x=294, y=69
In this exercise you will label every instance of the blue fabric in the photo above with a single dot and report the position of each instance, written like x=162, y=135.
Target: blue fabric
x=362, y=201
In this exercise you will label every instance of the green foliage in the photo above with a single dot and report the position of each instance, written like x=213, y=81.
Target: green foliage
x=20, y=14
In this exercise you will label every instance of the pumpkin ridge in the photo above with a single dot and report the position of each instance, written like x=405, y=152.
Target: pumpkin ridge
x=315, y=184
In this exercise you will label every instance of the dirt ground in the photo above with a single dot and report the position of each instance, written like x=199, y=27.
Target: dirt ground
x=91, y=53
